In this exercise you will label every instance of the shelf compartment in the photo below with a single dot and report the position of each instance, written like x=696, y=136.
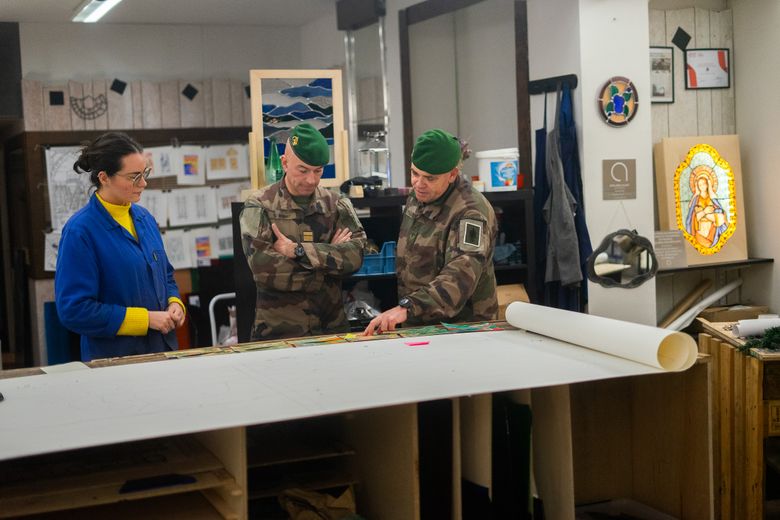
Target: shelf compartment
x=109, y=474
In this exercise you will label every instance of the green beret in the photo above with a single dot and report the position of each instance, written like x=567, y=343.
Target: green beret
x=309, y=145
x=436, y=152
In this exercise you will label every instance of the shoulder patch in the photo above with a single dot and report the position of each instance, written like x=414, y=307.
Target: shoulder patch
x=472, y=235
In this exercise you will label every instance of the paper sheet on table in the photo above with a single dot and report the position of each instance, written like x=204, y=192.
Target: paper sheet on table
x=660, y=348
x=745, y=328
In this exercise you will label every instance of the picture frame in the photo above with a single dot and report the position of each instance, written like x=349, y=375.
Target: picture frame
x=662, y=74
x=281, y=99
x=707, y=69
x=687, y=168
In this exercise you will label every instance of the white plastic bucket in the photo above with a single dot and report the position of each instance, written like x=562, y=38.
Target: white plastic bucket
x=498, y=169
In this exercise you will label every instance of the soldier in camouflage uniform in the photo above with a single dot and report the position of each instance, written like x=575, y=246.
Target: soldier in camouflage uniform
x=300, y=240
x=445, y=247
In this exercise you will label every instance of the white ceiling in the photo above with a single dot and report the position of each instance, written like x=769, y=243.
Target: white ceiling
x=199, y=12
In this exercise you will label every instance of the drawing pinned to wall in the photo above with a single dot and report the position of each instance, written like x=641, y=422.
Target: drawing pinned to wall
x=178, y=249
x=50, y=249
x=156, y=201
x=192, y=165
x=282, y=99
x=229, y=161
x=223, y=245
x=201, y=242
x=68, y=192
x=192, y=206
x=226, y=195
x=164, y=160
x=89, y=107
x=705, y=199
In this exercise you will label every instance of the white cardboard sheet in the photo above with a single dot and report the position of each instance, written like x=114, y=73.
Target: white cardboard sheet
x=55, y=412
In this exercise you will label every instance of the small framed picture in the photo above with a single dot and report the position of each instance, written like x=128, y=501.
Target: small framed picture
x=662, y=74
x=707, y=68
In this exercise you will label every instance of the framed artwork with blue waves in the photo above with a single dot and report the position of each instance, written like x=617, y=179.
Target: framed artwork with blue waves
x=282, y=99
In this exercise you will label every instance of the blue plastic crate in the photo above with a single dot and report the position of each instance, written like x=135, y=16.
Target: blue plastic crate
x=379, y=263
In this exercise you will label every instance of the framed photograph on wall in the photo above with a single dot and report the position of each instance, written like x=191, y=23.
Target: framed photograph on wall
x=707, y=68
x=281, y=99
x=662, y=74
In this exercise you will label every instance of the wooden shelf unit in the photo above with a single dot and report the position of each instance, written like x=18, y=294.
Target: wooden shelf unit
x=84, y=482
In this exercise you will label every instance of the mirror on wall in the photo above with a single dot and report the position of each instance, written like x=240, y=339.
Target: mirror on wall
x=624, y=259
x=367, y=101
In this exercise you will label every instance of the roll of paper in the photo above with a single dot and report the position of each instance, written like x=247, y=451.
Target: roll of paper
x=661, y=348
x=757, y=327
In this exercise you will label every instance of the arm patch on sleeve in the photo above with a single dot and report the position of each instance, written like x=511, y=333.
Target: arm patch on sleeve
x=471, y=235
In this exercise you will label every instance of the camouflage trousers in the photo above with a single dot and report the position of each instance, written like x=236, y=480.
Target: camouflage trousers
x=281, y=315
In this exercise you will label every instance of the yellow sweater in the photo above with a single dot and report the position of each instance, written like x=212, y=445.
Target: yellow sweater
x=136, y=322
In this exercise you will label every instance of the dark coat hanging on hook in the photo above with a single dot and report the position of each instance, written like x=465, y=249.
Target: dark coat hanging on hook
x=573, y=297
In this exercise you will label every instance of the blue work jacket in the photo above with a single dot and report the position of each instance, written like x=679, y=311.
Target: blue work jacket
x=102, y=270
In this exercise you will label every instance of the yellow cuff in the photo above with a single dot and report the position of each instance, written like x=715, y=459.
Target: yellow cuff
x=174, y=299
x=136, y=322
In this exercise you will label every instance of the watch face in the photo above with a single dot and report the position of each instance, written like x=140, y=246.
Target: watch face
x=299, y=251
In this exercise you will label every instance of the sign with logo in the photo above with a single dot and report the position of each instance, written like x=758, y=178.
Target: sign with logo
x=619, y=179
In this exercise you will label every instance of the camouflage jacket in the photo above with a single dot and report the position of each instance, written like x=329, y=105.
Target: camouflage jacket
x=299, y=297
x=445, y=257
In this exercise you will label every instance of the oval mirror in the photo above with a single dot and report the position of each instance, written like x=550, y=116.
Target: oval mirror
x=624, y=259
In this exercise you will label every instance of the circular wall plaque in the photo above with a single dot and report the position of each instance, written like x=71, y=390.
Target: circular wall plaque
x=618, y=101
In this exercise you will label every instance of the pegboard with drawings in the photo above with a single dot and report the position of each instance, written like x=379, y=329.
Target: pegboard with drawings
x=197, y=174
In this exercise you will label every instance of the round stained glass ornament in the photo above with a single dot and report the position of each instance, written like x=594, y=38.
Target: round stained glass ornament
x=618, y=101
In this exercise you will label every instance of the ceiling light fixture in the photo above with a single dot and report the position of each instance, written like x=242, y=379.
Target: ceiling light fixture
x=90, y=11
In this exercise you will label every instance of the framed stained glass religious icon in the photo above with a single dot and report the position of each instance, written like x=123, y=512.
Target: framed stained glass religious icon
x=699, y=185
x=281, y=99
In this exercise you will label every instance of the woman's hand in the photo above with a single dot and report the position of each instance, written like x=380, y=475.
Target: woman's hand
x=162, y=321
x=177, y=314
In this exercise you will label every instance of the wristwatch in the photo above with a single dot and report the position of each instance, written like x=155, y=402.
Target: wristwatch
x=405, y=302
x=299, y=252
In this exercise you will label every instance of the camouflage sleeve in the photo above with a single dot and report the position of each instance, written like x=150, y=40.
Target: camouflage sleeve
x=269, y=268
x=339, y=259
x=469, y=243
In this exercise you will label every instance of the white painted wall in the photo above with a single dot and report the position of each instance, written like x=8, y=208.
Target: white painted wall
x=614, y=41
x=154, y=52
x=580, y=37
x=756, y=42
x=322, y=45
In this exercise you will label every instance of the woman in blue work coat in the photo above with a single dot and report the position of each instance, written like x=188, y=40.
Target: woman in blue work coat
x=113, y=283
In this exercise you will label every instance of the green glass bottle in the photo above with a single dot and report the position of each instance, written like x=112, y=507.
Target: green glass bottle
x=273, y=167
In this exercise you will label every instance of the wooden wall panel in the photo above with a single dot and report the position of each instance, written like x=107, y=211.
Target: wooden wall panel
x=152, y=113
x=99, y=89
x=682, y=118
x=32, y=102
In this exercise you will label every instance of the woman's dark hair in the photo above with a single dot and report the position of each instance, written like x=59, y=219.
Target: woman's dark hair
x=105, y=154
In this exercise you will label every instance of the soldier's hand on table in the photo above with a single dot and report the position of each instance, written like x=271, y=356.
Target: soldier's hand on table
x=283, y=245
x=386, y=321
x=176, y=313
x=341, y=236
x=162, y=321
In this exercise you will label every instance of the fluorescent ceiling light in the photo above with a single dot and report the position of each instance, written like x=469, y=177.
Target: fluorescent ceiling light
x=93, y=10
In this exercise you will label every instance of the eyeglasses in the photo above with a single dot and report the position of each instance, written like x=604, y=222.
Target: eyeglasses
x=137, y=177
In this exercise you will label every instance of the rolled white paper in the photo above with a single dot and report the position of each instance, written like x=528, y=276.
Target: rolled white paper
x=754, y=327
x=662, y=348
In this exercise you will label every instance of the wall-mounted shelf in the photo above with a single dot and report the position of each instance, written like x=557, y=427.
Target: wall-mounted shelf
x=720, y=265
